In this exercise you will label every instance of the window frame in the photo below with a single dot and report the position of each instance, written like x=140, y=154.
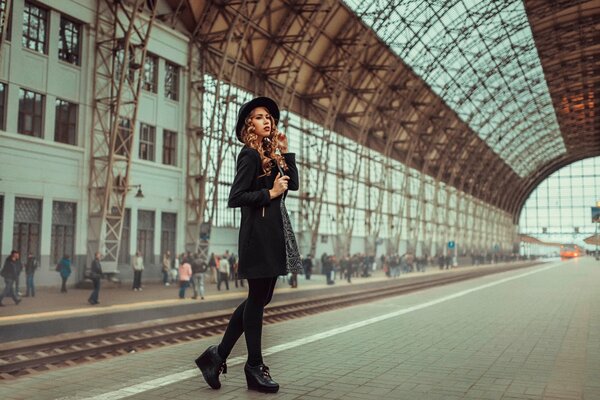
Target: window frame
x=168, y=234
x=26, y=39
x=63, y=125
x=145, y=236
x=20, y=127
x=62, y=234
x=148, y=139
x=169, y=149
x=8, y=33
x=153, y=86
x=172, y=85
x=79, y=27
x=27, y=234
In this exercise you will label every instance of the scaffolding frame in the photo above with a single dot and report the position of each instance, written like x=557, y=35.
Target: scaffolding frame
x=122, y=32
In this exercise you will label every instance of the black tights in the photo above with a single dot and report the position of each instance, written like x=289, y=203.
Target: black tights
x=248, y=318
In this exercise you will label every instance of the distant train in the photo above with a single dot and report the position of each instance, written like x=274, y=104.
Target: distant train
x=570, y=251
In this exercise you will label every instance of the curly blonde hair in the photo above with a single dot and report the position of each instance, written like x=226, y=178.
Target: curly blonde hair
x=265, y=148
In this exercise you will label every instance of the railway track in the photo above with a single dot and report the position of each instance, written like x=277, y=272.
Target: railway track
x=17, y=361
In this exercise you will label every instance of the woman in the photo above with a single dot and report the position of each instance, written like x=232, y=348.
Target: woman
x=64, y=268
x=138, y=267
x=267, y=247
x=185, y=274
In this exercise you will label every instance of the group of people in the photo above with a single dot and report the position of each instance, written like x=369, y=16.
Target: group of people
x=13, y=267
x=189, y=269
x=11, y=272
x=346, y=267
x=395, y=264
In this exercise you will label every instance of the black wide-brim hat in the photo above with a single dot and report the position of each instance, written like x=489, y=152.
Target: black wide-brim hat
x=247, y=108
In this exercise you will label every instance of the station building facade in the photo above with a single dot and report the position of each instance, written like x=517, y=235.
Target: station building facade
x=46, y=108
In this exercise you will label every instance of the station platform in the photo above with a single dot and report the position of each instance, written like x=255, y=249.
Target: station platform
x=532, y=333
x=52, y=312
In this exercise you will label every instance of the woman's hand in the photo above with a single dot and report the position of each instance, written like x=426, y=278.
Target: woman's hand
x=279, y=186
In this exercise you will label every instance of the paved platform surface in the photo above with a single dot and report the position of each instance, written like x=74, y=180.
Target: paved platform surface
x=50, y=302
x=527, y=334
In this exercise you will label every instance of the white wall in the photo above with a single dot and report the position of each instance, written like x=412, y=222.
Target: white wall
x=43, y=169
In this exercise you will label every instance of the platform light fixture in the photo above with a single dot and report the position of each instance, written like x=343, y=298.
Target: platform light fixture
x=139, y=194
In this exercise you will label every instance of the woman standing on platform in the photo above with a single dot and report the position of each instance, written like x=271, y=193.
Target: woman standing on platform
x=267, y=247
x=95, y=276
x=64, y=269
x=138, y=268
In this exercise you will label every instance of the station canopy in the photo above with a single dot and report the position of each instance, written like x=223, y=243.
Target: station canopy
x=490, y=97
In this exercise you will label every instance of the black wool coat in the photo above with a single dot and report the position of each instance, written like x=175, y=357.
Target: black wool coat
x=261, y=242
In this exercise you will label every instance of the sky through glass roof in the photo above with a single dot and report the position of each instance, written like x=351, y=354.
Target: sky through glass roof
x=480, y=57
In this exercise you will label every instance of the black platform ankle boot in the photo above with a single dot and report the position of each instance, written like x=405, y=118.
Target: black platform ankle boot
x=258, y=378
x=211, y=364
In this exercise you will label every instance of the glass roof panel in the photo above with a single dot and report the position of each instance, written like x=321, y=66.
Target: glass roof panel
x=480, y=57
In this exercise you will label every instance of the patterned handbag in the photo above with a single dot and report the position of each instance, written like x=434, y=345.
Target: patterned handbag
x=293, y=262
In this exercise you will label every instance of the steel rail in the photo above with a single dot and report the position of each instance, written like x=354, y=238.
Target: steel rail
x=52, y=354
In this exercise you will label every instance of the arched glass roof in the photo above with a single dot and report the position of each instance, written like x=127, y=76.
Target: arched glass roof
x=480, y=57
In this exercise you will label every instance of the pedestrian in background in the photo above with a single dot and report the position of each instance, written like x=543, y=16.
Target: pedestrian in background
x=64, y=269
x=223, y=272
x=18, y=278
x=308, y=266
x=166, y=267
x=185, y=274
x=175, y=268
x=199, y=268
x=30, y=268
x=9, y=273
x=95, y=276
x=212, y=264
x=236, y=274
x=138, y=268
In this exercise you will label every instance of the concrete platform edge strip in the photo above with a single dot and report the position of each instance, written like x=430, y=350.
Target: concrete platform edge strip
x=193, y=373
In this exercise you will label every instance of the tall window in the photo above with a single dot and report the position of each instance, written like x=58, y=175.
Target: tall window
x=169, y=147
x=120, y=56
x=168, y=233
x=2, y=105
x=5, y=19
x=31, y=112
x=65, y=127
x=150, y=70
x=26, y=229
x=147, y=142
x=35, y=25
x=124, y=248
x=122, y=144
x=68, y=41
x=145, y=235
x=172, y=81
x=63, y=230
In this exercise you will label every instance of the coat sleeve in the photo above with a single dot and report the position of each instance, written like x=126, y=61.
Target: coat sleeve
x=241, y=194
x=292, y=172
